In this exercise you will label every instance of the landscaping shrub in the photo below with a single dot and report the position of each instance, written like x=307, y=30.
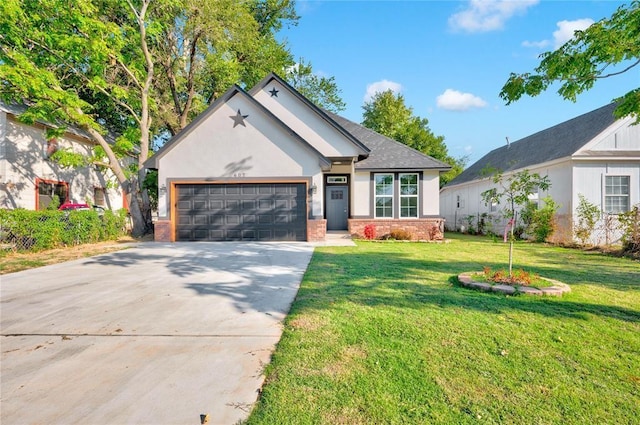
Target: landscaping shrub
x=370, y=231
x=28, y=230
x=588, y=215
x=400, y=235
x=519, y=276
x=630, y=224
x=539, y=222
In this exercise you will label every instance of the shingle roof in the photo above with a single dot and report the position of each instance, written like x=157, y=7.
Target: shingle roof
x=387, y=153
x=559, y=141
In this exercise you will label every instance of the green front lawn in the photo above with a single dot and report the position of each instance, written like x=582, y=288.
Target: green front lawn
x=382, y=333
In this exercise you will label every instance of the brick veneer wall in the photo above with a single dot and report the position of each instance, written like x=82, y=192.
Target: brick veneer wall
x=316, y=230
x=426, y=229
x=162, y=231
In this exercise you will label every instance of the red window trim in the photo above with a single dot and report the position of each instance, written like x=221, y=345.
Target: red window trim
x=56, y=182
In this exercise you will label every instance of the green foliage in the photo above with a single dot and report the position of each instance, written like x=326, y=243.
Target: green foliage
x=542, y=223
x=470, y=219
x=515, y=190
x=588, y=215
x=587, y=57
x=387, y=114
x=135, y=69
x=39, y=230
x=630, y=224
x=320, y=90
x=150, y=184
x=55, y=203
x=381, y=334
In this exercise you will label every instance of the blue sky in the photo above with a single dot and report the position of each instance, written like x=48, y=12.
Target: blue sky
x=449, y=59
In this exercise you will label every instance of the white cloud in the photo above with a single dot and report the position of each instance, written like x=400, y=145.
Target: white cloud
x=564, y=33
x=488, y=15
x=536, y=44
x=380, y=87
x=453, y=100
x=566, y=29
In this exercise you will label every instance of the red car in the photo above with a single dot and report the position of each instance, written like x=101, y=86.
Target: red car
x=69, y=206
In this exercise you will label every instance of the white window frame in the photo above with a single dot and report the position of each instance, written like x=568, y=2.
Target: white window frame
x=415, y=196
x=616, y=195
x=376, y=196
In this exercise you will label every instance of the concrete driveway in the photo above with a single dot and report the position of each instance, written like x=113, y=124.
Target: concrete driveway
x=155, y=334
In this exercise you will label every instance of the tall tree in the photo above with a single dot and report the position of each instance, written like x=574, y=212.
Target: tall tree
x=586, y=58
x=54, y=52
x=136, y=68
x=208, y=45
x=386, y=113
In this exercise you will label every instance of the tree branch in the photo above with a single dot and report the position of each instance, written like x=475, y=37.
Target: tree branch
x=86, y=79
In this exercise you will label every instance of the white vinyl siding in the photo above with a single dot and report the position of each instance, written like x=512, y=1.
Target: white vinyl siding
x=383, y=195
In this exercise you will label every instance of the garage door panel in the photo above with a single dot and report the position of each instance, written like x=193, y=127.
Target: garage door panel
x=249, y=205
x=232, y=219
x=265, y=219
x=265, y=204
x=232, y=190
x=201, y=219
x=216, y=204
x=262, y=211
x=184, y=220
x=184, y=205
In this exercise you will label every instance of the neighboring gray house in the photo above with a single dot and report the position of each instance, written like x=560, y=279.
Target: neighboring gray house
x=595, y=155
x=270, y=165
x=30, y=180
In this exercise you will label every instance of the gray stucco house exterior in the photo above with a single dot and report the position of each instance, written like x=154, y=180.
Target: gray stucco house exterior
x=268, y=164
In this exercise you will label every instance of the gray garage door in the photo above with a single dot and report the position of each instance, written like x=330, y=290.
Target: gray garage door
x=239, y=212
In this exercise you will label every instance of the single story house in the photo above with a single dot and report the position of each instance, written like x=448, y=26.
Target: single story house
x=268, y=164
x=594, y=155
x=29, y=179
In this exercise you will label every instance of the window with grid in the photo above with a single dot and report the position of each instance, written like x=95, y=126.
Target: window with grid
x=616, y=194
x=384, y=195
x=408, y=195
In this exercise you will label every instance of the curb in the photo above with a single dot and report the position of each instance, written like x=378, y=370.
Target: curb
x=556, y=290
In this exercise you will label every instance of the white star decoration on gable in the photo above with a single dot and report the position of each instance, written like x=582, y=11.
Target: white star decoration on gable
x=238, y=119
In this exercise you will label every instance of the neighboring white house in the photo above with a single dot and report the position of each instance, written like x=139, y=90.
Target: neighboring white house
x=594, y=155
x=270, y=165
x=30, y=180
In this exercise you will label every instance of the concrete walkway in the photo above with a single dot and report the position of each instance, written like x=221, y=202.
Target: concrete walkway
x=155, y=334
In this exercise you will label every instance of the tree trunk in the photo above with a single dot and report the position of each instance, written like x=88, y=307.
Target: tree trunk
x=138, y=222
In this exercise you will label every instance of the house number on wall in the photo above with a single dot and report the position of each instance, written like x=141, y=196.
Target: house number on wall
x=238, y=174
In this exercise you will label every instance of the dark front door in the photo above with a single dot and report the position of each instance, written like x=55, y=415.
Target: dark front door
x=337, y=199
x=241, y=212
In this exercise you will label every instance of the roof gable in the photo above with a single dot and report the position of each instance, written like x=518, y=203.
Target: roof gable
x=560, y=141
x=318, y=129
x=217, y=104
